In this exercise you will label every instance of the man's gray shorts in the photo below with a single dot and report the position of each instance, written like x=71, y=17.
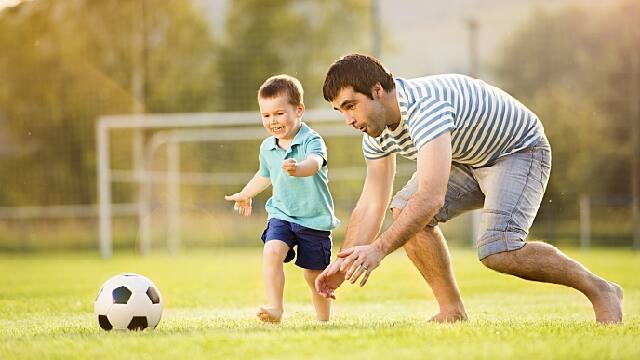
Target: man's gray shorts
x=509, y=191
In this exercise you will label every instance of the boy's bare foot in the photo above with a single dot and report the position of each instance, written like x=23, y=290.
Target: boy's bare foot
x=270, y=315
x=608, y=303
x=449, y=317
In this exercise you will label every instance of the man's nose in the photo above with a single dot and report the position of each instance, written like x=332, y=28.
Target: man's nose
x=349, y=120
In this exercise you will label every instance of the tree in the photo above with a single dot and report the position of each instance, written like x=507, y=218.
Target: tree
x=301, y=38
x=71, y=62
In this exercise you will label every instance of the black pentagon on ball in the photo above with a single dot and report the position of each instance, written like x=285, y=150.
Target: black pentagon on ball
x=104, y=322
x=121, y=295
x=138, y=323
x=152, y=293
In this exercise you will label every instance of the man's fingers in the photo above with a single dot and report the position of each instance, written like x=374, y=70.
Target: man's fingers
x=347, y=262
x=365, y=278
x=346, y=252
x=354, y=267
x=357, y=273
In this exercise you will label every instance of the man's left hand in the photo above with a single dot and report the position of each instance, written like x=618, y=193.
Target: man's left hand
x=360, y=260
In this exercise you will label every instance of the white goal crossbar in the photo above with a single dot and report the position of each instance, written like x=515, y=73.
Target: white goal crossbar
x=170, y=131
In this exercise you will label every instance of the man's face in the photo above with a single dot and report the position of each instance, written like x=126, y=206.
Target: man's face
x=279, y=117
x=361, y=112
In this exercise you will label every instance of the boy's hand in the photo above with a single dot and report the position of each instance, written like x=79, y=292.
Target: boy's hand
x=242, y=205
x=330, y=279
x=290, y=166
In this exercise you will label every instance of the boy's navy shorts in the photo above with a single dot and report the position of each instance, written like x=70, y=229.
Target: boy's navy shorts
x=314, y=246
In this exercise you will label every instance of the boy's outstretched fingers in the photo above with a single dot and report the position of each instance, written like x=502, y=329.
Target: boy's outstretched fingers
x=329, y=280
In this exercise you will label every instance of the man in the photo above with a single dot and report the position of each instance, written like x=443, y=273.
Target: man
x=475, y=147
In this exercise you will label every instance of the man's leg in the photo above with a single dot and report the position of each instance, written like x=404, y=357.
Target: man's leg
x=542, y=262
x=514, y=187
x=428, y=252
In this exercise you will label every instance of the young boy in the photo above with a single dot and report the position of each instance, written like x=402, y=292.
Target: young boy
x=294, y=160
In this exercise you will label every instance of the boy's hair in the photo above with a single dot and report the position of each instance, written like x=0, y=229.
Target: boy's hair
x=282, y=85
x=359, y=71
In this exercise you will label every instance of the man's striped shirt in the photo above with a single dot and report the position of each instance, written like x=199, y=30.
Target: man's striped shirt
x=485, y=122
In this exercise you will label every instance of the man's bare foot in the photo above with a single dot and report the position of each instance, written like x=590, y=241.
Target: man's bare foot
x=607, y=304
x=449, y=317
x=270, y=315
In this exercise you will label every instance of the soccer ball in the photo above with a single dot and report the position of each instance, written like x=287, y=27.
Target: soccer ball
x=128, y=301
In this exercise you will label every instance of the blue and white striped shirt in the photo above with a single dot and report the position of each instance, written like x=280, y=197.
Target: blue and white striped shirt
x=485, y=122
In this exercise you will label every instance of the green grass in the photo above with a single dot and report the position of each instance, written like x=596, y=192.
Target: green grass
x=46, y=305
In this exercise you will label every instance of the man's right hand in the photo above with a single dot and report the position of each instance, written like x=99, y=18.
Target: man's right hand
x=330, y=279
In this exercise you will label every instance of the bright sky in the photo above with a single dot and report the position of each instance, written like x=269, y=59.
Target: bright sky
x=7, y=3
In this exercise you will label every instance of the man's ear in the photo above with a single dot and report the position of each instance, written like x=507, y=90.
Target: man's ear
x=376, y=91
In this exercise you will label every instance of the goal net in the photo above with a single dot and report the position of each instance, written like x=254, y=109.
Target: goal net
x=174, y=170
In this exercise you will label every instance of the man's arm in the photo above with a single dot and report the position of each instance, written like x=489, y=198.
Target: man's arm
x=434, y=165
x=365, y=221
x=367, y=216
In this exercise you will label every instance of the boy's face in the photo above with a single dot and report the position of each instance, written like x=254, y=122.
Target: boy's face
x=279, y=117
x=361, y=112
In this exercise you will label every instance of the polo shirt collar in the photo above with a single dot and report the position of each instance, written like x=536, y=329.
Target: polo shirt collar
x=297, y=140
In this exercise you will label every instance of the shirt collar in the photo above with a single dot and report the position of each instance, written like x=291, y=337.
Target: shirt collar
x=403, y=99
x=297, y=140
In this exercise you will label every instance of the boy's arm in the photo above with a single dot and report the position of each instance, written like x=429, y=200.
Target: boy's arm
x=256, y=185
x=243, y=199
x=310, y=166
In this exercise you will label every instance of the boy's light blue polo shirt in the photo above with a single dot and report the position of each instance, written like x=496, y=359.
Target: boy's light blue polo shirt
x=303, y=200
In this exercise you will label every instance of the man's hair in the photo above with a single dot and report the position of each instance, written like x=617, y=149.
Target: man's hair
x=282, y=84
x=359, y=71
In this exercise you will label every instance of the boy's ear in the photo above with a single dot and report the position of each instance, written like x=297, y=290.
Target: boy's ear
x=300, y=110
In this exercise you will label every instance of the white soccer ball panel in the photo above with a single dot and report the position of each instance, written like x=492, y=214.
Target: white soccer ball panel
x=120, y=316
x=136, y=282
x=103, y=302
x=154, y=315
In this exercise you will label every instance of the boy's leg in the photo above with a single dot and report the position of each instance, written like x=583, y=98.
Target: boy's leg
x=314, y=255
x=274, y=254
x=321, y=304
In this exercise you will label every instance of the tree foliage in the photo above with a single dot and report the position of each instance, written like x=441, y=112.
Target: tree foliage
x=573, y=68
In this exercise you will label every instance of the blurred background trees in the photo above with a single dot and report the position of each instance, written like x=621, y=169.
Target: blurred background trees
x=65, y=63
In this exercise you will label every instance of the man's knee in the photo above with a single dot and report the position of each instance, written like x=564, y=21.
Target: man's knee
x=503, y=262
x=493, y=262
x=395, y=212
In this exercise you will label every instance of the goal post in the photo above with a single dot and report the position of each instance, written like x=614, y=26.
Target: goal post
x=169, y=131
x=165, y=137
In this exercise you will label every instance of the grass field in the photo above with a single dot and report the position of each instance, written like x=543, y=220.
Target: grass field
x=46, y=311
